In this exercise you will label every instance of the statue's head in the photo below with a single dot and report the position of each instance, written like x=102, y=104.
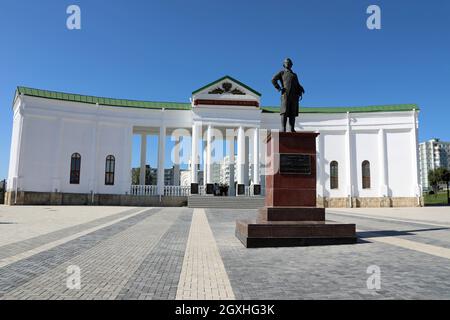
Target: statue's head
x=288, y=63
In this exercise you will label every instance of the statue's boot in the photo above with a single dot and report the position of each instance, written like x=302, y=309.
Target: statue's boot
x=283, y=123
x=292, y=124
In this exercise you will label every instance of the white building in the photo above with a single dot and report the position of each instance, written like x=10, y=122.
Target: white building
x=225, y=170
x=433, y=154
x=69, y=148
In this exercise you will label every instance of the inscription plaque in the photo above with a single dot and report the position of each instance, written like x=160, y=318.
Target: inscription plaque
x=295, y=164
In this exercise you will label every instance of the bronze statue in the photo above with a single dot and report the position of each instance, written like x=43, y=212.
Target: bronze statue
x=291, y=92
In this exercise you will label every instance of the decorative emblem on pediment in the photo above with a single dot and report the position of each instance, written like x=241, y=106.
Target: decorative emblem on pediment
x=226, y=88
x=236, y=91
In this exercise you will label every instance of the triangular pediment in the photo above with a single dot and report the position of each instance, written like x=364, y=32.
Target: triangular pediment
x=226, y=86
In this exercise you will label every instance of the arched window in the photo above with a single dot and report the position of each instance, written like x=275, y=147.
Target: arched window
x=109, y=170
x=75, y=166
x=366, y=175
x=334, y=175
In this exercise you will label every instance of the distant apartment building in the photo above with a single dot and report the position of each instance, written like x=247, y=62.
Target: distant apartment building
x=433, y=154
x=169, y=179
x=151, y=176
x=225, y=170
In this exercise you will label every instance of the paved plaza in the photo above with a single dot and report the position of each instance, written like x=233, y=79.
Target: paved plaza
x=182, y=253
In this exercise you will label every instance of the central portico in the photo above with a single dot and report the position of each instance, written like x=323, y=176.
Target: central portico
x=225, y=111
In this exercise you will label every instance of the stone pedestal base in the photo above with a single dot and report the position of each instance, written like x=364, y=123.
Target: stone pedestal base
x=290, y=217
x=291, y=214
x=293, y=227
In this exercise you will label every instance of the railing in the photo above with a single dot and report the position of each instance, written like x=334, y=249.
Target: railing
x=144, y=190
x=180, y=191
x=177, y=191
x=171, y=191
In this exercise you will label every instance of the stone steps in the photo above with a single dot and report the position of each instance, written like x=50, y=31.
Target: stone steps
x=225, y=202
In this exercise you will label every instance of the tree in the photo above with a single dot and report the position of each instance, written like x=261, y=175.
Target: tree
x=446, y=178
x=135, y=173
x=150, y=176
x=439, y=176
x=432, y=180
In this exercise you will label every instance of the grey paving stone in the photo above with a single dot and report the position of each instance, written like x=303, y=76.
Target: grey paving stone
x=116, y=264
x=414, y=231
x=157, y=276
x=25, y=270
x=15, y=248
x=331, y=272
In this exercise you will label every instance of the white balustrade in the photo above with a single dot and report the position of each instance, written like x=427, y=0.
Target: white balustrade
x=137, y=190
x=177, y=191
x=171, y=191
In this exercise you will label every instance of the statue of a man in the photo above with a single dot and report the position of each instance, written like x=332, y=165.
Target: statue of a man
x=291, y=93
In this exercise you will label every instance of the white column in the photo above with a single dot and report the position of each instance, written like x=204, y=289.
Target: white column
x=415, y=156
x=95, y=163
x=57, y=165
x=143, y=159
x=348, y=159
x=176, y=159
x=127, y=156
x=384, y=191
x=205, y=167
x=246, y=160
x=321, y=166
x=256, y=168
x=161, y=160
x=240, y=155
x=209, y=149
x=20, y=151
x=194, y=153
x=231, y=190
x=263, y=151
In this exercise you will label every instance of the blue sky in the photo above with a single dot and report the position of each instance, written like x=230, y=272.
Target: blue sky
x=163, y=50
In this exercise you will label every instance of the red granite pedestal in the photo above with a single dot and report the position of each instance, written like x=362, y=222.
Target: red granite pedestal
x=290, y=217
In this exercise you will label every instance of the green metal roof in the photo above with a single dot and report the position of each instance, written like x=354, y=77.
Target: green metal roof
x=187, y=106
x=384, y=108
x=102, y=101
x=230, y=78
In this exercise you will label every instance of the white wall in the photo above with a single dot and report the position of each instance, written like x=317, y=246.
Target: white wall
x=39, y=138
x=14, y=156
x=366, y=143
x=334, y=150
x=400, y=179
x=366, y=148
x=53, y=130
x=112, y=140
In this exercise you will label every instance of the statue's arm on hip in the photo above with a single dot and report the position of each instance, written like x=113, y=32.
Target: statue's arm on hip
x=278, y=78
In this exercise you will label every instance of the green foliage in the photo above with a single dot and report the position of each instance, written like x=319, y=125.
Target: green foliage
x=435, y=199
x=437, y=177
x=150, y=177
